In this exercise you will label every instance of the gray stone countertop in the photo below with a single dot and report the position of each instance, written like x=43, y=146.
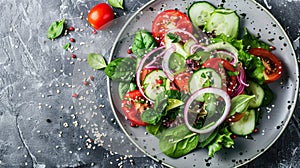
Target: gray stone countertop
x=42, y=125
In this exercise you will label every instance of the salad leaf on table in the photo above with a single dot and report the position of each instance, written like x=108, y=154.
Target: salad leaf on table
x=116, y=3
x=121, y=69
x=96, y=61
x=56, y=29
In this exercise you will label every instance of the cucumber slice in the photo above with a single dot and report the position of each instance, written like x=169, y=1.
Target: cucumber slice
x=246, y=125
x=177, y=62
x=187, y=45
x=223, y=21
x=202, y=78
x=259, y=93
x=199, y=13
x=223, y=46
x=152, y=88
x=179, y=47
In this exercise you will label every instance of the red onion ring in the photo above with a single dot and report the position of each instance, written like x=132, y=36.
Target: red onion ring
x=234, y=57
x=165, y=62
x=194, y=48
x=184, y=32
x=216, y=91
x=139, y=69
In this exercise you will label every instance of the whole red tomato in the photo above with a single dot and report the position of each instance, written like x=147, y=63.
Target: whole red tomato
x=100, y=15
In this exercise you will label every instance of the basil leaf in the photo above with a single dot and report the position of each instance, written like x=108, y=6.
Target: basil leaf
x=96, y=61
x=143, y=42
x=55, y=29
x=67, y=46
x=178, y=141
x=116, y=3
x=174, y=37
x=121, y=69
x=240, y=103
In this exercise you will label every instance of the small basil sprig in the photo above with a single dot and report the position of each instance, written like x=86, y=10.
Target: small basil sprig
x=116, y=3
x=67, y=46
x=96, y=61
x=240, y=103
x=55, y=29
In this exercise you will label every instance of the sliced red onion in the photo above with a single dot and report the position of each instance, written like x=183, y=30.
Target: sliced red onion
x=234, y=57
x=242, y=82
x=165, y=62
x=194, y=96
x=195, y=47
x=140, y=67
x=184, y=32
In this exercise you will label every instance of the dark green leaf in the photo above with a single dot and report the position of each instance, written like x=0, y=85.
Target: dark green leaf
x=250, y=41
x=174, y=37
x=178, y=141
x=121, y=69
x=55, y=29
x=143, y=43
x=67, y=46
x=96, y=61
x=223, y=38
x=222, y=140
x=151, y=116
x=240, y=103
x=116, y=3
x=155, y=129
x=253, y=66
x=125, y=87
x=200, y=56
x=161, y=102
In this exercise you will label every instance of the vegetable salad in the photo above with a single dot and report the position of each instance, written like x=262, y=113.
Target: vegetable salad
x=196, y=81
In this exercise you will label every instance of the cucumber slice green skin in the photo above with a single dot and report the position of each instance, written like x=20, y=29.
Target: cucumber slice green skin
x=152, y=88
x=259, y=93
x=223, y=21
x=199, y=12
x=200, y=78
x=246, y=125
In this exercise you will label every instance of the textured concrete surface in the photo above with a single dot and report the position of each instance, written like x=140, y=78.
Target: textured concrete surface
x=43, y=126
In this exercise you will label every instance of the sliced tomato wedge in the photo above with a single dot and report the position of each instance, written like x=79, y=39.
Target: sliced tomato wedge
x=221, y=66
x=182, y=81
x=170, y=19
x=133, y=105
x=236, y=117
x=273, y=66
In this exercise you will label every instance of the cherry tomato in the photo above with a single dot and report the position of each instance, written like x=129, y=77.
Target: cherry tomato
x=273, y=66
x=100, y=15
x=182, y=81
x=170, y=19
x=221, y=66
x=133, y=105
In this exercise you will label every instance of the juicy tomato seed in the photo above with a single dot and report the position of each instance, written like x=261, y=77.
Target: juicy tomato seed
x=133, y=125
x=255, y=130
x=91, y=78
x=73, y=56
x=85, y=82
x=233, y=136
x=75, y=95
x=273, y=48
x=94, y=31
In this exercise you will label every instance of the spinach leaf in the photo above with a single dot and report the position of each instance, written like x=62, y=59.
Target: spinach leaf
x=155, y=129
x=178, y=141
x=174, y=37
x=121, y=69
x=143, y=43
x=222, y=140
x=240, y=103
x=125, y=87
x=96, y=61
x=55, y=29
x=250, y=41
x=161, y=102
x=151, y=116
x=253, y=66
x=116, y=3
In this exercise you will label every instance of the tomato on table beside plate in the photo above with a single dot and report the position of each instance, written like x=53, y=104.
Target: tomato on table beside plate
x=100, y=15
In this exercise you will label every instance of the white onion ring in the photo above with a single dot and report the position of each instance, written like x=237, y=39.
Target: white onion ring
x=139, y=69
x=165, y=62
x=217, y=91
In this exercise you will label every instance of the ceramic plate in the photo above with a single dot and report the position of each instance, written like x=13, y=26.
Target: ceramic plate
x=273, y=122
